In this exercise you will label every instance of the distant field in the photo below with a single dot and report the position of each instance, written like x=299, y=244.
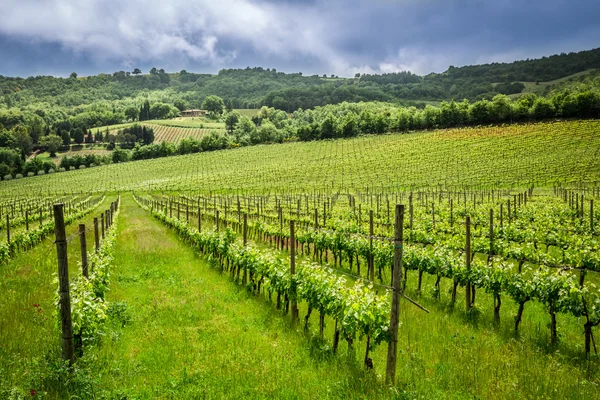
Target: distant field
x=175, y=134
x=246, y=112
x=189, y=122
x=539, y=88
x=111, y=128
x=75, y=151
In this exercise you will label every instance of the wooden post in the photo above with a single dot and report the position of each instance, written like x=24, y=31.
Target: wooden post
x=199, y=220
x=40, y=217
x=410, y=210
x=592, y=216
x=491, y=233
x=7, y=230
x=26, y=220
x=294, y=300
x=96, y=235
x=245, y=233
x=103, y=223
x=83, y=243
x=371, y=261
x=68, y=350
x=217, y=220
x=468, y=260
x=501, y=214
x=390, y=373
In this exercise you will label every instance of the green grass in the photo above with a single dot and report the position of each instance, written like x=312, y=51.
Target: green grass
x=246, y=112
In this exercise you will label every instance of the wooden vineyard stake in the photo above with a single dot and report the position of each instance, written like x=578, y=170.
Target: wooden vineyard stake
x=68, y=350
x=199, y=220
x=592, y=216
x=96, y=235
x=217, y=220
x=293, y=293
x=371, y=261
x=245, y=236
x=390, y=373
x=468, y=262
x=491, y=235
x=103, y=222
x=8, y=231
x=26, y=220
x=82, y=242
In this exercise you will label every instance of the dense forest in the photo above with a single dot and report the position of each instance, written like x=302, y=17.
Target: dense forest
x=46, y=112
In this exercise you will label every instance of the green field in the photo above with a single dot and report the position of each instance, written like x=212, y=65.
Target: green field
x=542, y=154
x=181, y=324
x=539, y=88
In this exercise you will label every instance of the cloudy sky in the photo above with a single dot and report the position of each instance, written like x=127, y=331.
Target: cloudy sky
x=342, y=37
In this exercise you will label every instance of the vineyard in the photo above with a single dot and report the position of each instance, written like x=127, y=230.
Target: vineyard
x=460, y=263
x=173, y=134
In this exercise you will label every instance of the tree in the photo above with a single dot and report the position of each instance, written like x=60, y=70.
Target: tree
x=153, y=71
x=66, y=138
x=131, y=113
x=213, y=104
x=73, y=75
x=120, y=155
x=136, y=71
x=229, y=107
x=36, y=126
x=231, y=119
x=144, y=111
x=22, y=139
x=181, y=104
x=147, y=135
x=77, y=135
x=51, y=143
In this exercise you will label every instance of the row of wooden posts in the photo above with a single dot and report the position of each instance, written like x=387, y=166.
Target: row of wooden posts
x=40, y=219
x=100, y=228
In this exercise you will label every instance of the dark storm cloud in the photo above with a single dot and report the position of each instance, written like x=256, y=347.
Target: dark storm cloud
x=317, y=36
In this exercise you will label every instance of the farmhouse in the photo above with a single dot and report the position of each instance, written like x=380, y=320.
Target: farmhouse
x=193, y=113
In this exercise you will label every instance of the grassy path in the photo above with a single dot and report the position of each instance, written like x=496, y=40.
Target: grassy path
x=190, y=333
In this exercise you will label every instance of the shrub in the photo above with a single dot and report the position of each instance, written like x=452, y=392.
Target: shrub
x=8, y=177
x=18, y=176
x=41, y=172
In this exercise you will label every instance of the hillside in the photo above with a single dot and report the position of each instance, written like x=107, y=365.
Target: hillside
x=254, y=87
x=515, y=156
